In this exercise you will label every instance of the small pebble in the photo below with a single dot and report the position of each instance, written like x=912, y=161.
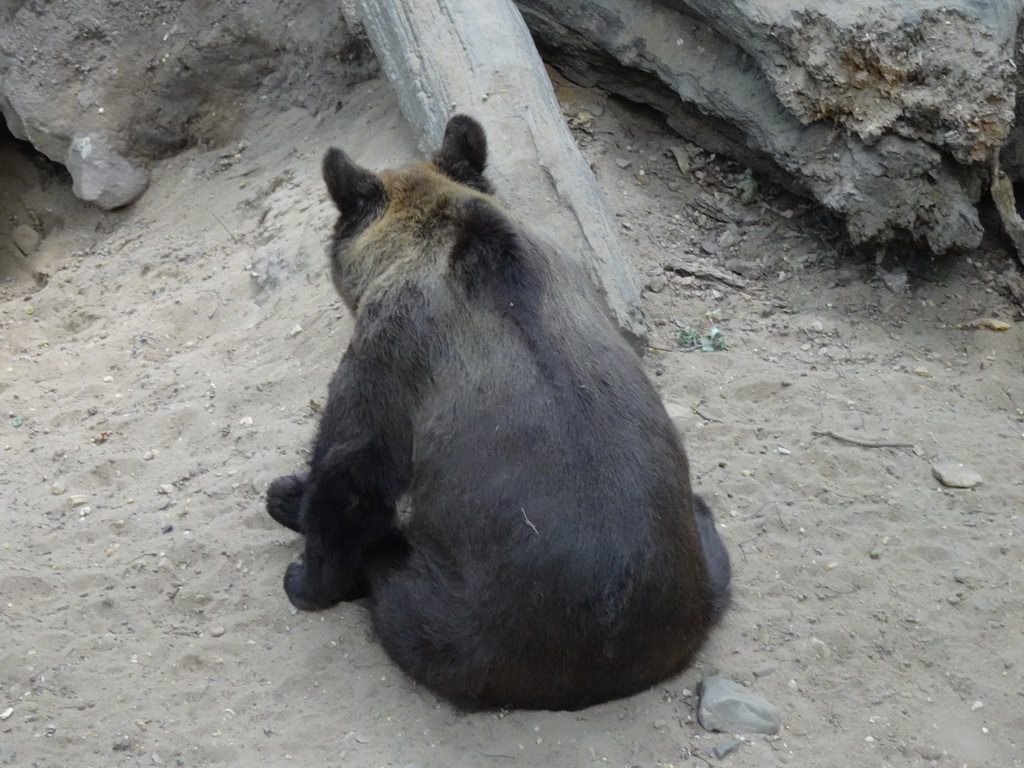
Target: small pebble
x=976, y=706
x=108, y=379
x=166, y=489
x=729, y=707
x=6, y=713
x=217, y=632
x=58, y=487
x=921, y=371
x=295, y=331
x=623, y=162
x=660, y=724
x=77, y=499
x=820, y=648
x=721, y=750
x=657, y=284
x=955, y=475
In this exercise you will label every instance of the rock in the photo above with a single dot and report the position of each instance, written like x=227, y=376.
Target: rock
x=26, y=239
x=101, y=176
x=721, y=750
x=820, y=649
x=460, y=56
x=859, y=104
x=269, y=267
x=152, y=94
x=729, y=707
x=742, y=267
x=657, y=284
x=955, y=475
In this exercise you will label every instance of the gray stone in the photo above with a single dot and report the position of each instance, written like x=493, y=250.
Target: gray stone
x=886, y=113
x=26, y=238
x=98, y=68
x=460, y=56
x=721, y=750
x=955, y=475
x=101, y=176
x=657, y=284
x=729, y=707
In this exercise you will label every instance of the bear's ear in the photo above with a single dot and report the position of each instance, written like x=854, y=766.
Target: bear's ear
x=463, y=153
x=356, y=191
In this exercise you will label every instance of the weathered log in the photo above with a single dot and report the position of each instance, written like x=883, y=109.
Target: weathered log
x=477, y=57
x=886, y=113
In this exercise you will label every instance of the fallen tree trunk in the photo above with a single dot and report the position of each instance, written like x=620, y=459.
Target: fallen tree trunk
x=478, y=57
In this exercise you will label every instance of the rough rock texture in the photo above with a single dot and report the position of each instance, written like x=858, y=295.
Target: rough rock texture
x=1012, y=156
x=935, y=70
x=148, y=80
x=458, y=55
x=886, y=113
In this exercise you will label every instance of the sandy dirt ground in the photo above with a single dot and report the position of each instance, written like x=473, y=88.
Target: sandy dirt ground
x=161, y=364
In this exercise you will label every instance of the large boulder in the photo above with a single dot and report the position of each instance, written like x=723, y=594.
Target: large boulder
x=887, y=113
x=145, y=80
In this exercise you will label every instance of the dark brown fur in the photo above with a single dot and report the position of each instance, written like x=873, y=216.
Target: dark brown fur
x=556, y=556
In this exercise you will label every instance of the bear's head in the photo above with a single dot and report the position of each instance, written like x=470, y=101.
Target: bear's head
x=417, y=222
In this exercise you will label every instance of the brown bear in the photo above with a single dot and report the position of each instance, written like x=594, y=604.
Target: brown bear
x=556, y=556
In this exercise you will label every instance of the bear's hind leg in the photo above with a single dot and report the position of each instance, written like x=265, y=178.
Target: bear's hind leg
x=344, y=525
x=284, y=500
